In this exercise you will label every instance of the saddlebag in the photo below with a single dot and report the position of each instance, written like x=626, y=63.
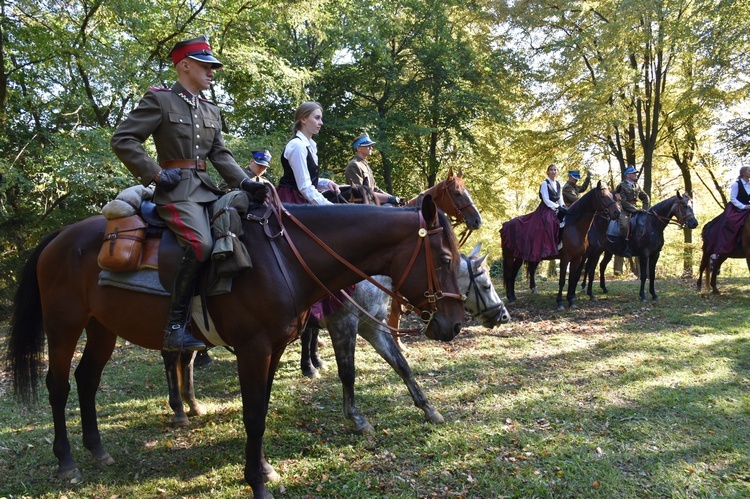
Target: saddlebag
x=123, y=244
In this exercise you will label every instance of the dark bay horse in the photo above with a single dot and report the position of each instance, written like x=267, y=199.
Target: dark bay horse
x=574, y=239
x=645, y=241
x=59, y=296
x=711, y=269
x=452, y=197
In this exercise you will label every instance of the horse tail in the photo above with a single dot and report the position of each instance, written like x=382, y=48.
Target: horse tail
x=26, y=341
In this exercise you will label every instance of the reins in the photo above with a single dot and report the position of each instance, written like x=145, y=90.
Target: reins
x=432, y=294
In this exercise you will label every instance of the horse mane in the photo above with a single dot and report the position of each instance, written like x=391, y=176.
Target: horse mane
x=662, y=204
x=371, y=210
x=576, y=210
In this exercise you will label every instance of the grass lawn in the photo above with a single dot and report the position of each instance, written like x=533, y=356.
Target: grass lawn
x=616, y=399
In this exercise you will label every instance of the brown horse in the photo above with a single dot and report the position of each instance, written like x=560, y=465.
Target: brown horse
x=451, y=196
x=574, y=238
x=711, y=268
x=59, y=295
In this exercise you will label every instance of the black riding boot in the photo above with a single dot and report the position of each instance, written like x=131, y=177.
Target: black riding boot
x=176, y=336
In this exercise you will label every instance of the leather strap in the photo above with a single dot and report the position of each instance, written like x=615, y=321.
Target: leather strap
x=184, y=164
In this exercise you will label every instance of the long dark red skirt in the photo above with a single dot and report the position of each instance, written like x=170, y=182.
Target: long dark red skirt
x=723, y=237
x=532, y=237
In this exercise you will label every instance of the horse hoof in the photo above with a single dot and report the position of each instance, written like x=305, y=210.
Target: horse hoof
x=181, y=421
x=643, y=299
x=319, y=364
x=103, y=460
x=605, y=290
x=573, y=306
x=197, y=410
x=433, y=416
x=311, y=373
x=592, y=298
x=561, y=308
x=533, y=291
x=271, y=476
x=72, y=475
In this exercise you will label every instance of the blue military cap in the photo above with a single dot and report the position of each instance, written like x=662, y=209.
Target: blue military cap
x=575, y=174
x=362, y=140
x=629, y=169
x=263, y=157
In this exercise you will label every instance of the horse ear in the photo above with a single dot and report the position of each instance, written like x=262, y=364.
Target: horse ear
x=599, y=184
x=429, y=210
x=475, y=252
x=450, y=171
x=460, y=173
x=478, y=263
x=678, y=193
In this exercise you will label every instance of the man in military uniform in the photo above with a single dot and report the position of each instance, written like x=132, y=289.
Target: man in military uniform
x=186, y=129
x=630, y=193
x=358, y=172
x=571, y=190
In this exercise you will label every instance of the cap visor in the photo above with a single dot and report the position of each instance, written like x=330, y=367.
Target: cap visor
x=215, y=64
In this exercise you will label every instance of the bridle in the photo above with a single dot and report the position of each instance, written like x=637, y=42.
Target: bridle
x=482, y=307
x=441, y=191
x=426, y=309
x=680, y=213
x=600, y=197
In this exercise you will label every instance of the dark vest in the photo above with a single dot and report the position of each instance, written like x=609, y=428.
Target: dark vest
x=288, y=180
x=742, y=196
x=554, y=196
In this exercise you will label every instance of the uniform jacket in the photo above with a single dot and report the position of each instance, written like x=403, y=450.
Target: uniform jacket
x=628, y=196
x=180, y=131
x=572, y=191
x=358, y=171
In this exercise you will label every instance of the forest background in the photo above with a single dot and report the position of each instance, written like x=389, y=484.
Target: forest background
x=498, y=89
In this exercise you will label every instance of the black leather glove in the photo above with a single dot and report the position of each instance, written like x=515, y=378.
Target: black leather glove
x=258, y=192
x=169, y=179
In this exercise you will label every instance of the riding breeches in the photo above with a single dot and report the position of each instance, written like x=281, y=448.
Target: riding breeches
x=190, y=223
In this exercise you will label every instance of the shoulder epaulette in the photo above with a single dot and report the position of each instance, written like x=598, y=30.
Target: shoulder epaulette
x=161, y=89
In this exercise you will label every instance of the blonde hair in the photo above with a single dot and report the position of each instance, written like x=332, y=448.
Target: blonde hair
x=303, y=111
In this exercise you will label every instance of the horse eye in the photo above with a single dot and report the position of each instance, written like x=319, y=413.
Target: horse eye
x=445, y=261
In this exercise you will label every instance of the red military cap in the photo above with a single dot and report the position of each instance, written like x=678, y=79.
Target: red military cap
x=195, y=48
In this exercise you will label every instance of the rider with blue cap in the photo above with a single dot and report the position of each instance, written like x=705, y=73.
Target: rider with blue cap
x=630, y=192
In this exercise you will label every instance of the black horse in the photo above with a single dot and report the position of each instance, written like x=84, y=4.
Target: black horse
x=645, y=241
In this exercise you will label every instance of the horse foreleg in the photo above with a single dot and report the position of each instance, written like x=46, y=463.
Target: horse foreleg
x=575, y=274
x=652, y=275
x=254, y=367
x=100, y=343
x=509, y=276
x=174, y=378
x=531, y=269
x=603, y=267
x=388, y=350
x=643, y=268
x=561, y=285
x=343, y=332
x=309, y=339
x=589, y=272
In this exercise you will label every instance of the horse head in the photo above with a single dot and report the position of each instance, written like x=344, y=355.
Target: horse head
x=452, y=196
x=439, y=263
x=682, y=209
x=482, y=301
x=606, y=201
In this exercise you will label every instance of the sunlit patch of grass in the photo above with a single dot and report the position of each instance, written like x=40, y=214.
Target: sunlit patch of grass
x=615, y=399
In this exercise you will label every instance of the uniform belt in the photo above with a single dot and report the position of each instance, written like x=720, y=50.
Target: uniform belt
x=191, y=164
